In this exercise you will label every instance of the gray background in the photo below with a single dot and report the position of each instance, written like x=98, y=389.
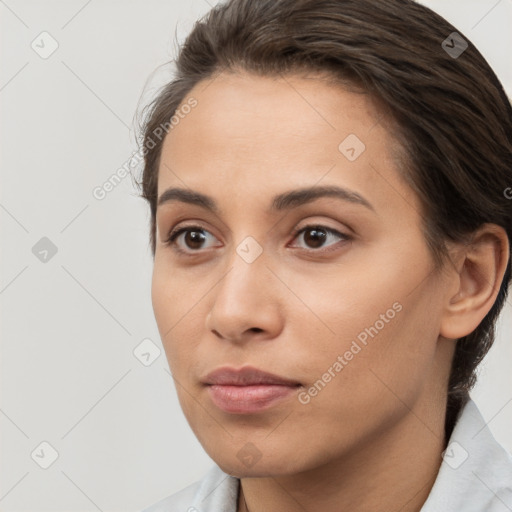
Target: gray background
x=70, y=324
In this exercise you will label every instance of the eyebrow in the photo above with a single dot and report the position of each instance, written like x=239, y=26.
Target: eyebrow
x=285, y=201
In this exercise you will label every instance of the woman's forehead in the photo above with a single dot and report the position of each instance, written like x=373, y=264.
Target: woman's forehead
x=298, y=133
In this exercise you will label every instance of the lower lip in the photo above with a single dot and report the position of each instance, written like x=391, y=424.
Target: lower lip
x=248, y=399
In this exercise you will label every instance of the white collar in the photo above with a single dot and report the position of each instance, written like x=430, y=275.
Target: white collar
x=476, y=472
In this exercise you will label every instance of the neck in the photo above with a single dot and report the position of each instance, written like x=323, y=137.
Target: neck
x=395, y=470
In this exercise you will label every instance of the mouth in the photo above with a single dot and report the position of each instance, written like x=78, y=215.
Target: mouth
x=247, y=390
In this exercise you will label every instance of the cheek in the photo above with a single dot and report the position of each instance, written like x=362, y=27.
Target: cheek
x=369, y=339
x=172, y=295
x=168, y=308
x=344, y=310
x=355, y=388
x=179, y=317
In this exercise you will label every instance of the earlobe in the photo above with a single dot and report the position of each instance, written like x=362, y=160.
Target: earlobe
x=477, y=279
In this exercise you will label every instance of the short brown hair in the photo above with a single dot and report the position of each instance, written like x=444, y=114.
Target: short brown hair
x=454, y=117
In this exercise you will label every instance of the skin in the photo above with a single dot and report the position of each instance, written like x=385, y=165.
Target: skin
x=372, y=438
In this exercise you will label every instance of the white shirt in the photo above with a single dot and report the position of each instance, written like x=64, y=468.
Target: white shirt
x=475, y=476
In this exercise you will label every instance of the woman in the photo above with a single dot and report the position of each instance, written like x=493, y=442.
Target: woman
x=331, y=230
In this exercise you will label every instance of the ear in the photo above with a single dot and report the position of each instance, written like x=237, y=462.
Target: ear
x=477, y=276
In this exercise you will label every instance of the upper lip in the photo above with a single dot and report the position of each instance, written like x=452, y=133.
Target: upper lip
x=246, y=376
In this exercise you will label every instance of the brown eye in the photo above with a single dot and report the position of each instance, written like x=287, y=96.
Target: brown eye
x=315, y=236
x=193, y=238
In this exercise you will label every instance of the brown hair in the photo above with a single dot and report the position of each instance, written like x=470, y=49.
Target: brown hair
x=454, y=118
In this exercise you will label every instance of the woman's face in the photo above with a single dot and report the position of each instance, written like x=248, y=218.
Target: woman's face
x=335, y=293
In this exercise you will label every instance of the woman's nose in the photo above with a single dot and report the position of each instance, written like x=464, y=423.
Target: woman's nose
x=246, y=302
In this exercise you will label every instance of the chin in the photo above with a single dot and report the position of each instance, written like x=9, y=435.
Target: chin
x=248, y=462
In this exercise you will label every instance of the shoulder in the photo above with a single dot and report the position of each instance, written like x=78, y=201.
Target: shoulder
x=216, y=491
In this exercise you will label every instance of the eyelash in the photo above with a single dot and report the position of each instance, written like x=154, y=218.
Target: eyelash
x=173, y=235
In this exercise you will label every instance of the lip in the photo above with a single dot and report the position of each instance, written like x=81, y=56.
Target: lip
x=245, y=376
x=247, y=390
